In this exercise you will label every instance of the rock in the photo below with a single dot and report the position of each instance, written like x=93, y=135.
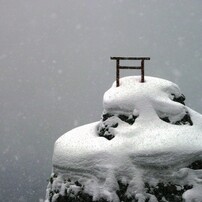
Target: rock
x=74, y=192
x=167, y=191
x=179, y=99
x=196, y=165
x=186, y=120
x=145, y=159
x=110, y=121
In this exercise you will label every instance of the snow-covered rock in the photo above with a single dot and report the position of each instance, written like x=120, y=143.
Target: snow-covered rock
x=144, y=146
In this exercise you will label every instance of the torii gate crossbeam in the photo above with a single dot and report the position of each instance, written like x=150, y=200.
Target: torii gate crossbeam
x=118, y=66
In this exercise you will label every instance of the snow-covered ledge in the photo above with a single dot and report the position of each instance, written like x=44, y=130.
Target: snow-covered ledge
x=147, y=138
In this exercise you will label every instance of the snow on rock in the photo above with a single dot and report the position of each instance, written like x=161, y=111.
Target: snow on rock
x=146, y=135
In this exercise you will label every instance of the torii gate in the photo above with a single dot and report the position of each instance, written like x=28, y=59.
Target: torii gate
x=118, y=66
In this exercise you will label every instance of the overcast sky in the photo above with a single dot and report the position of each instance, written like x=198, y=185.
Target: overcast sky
x=55, y=67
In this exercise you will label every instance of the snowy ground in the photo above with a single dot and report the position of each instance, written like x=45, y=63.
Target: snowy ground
x=155, y=148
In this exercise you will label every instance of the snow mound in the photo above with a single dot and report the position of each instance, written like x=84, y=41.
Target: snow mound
x=146, y=133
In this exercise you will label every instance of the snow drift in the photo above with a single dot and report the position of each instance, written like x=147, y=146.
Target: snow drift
x=147, y=136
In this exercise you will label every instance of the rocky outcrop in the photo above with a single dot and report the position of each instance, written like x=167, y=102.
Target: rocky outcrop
x=110, y=121
x=147, y=147
x=66, y=190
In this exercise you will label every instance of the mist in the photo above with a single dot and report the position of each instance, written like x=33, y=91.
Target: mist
x=55, y=67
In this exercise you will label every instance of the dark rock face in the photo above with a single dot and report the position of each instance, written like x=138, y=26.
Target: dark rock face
x=186, y=120
x=69, y=195
x=169, y=192
x=110, y=121
x=179, y=99
x=128, y=119
x=162, y=191
x=196, y=165
x=80, y=197
x=73, y=191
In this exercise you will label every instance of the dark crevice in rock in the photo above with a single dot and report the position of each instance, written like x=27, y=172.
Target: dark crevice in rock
x=122, y=192
x=104, y=132
x=169, y=191
x=186, y=120
x=106, y=116
x=105, y=125
x=109, y=121
x=78, y=184
x=166, y=119
x=196, y=165
x=162, y=191
x=80, y=197
x=51, y=179
x=179, y=99
x=70, y=196
x=52, y=192
x=114, y=125
x=128, y=119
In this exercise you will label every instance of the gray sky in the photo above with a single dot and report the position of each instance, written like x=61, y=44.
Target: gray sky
x=55, y=67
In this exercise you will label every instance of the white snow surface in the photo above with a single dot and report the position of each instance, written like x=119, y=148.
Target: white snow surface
x=148, y=150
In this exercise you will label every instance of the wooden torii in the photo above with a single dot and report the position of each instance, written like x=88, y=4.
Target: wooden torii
x=118, y=66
